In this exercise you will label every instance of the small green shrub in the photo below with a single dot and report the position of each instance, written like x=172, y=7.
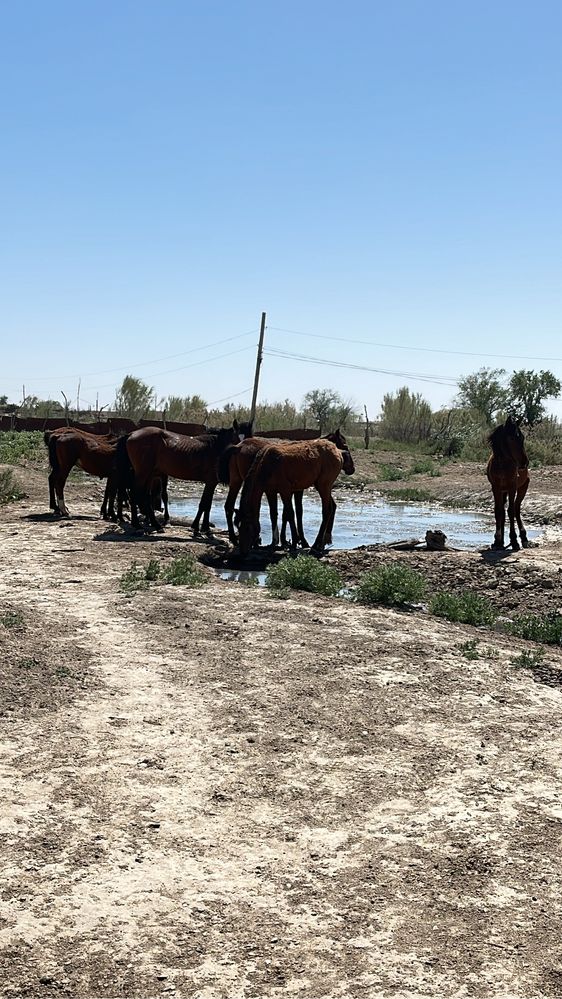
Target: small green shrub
x=282, y=594
x=304, y=573
x=470, y=649
x=9, y=489
x=12, y=619
x=133, y=579
x=466, y=608
x=409, y=495
x=183, y=571
x=425, y=466
x=16, y=447
x=393, y=585
x=545, y=628
x=390, y=473
x=528, y=659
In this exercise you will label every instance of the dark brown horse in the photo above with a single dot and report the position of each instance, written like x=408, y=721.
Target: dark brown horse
x=154, y=453
x=508, y=475
x=234, y=465
x=67, y=447
x=287, y=469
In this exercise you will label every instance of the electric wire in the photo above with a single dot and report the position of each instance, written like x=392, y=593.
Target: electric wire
x=399, y=346
x=412, y=375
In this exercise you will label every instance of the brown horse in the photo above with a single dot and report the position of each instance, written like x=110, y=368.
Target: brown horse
x=67, y=447
x=287, y=469
x=508, y=475
x=234, y=465
x=154, y=453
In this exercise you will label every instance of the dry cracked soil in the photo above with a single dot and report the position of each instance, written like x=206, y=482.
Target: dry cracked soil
x=212, y=793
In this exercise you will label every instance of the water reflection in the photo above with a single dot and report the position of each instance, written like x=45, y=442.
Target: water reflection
x=359, y=522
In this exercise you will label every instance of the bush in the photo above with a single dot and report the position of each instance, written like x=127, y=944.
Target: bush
x=393, y=585
x=425, y=466
x=183, y=571
x=304, y=573
x=16, y=447
x=390, y=473
x=9, y=489
x=466, y=608
x=545, y=628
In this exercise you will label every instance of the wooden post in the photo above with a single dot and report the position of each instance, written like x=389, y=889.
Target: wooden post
x=258, y=366
x=367, y=429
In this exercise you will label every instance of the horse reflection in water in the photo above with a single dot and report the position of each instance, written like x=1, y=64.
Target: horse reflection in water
x=508, y=475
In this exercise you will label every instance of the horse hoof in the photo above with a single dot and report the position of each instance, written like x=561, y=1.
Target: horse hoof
x=495, y=547
x=515, y=546
x=525, y=542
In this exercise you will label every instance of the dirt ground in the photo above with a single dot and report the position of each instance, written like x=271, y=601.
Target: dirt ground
x=212, y=793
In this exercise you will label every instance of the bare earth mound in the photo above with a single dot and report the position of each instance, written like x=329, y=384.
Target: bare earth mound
x=214, y=793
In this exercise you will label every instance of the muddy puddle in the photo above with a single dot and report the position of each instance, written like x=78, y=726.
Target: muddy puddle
x=362, y=522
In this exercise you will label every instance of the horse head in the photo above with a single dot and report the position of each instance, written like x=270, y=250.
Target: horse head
x=338, y=439
x=348, y=465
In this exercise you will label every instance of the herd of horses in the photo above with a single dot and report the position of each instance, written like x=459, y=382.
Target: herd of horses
x=137, y=467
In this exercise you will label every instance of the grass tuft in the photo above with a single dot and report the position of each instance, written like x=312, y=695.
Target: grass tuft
x=545, y=628
x=16, y=446
x=466, y=608
x=390, y=473
x=393, y=585
x=9, y=489
x=183, y=571
x=304, y=573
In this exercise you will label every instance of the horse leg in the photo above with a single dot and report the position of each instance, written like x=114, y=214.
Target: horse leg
x=289, y=515
x=165, y=498
x=272, y=502
x=298, y=511
x=229, y=505
x=59, y=484
x=52, y=499
x=327, y=502
x=511, y=514
x=330, y=526
x=204, y=509
x=499, y=513
x=520, y=496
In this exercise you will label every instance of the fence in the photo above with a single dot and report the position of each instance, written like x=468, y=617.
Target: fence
x=118, y=425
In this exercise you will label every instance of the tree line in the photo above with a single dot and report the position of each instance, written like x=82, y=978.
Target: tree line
x=484, y=398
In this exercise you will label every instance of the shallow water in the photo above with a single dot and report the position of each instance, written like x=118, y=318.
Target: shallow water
x=374, y=521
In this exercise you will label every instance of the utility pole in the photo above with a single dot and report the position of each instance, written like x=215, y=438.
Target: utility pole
x=258, y=366
x=367, y=428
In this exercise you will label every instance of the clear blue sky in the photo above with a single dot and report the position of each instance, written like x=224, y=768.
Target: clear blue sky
x=387, y=172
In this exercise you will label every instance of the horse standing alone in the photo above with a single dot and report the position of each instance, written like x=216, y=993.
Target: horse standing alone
x=508, y=475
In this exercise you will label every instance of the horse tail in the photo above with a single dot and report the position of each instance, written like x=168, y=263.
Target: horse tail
x=263, y=465
x=223, y=466
x=122, y=464
x=51, y=443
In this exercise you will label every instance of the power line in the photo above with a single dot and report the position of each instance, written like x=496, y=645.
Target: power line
x=141, y=364
x=184, y=367
x=400, y=346
x=225, y=398
x=415, y=376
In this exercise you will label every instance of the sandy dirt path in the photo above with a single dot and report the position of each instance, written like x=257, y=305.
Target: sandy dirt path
x=211, y=793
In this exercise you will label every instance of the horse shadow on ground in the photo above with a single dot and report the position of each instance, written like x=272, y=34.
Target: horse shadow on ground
x=116, y=534
x=495, y=555
x=39, y=518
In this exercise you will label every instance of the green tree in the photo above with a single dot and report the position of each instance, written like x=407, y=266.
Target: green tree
x=134, y=398
x=328, y=409
x=484, y=392
x=405, y=416
x=188, y=409
x=527, y=393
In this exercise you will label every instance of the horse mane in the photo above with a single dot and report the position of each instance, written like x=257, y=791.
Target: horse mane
x=497, y=438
